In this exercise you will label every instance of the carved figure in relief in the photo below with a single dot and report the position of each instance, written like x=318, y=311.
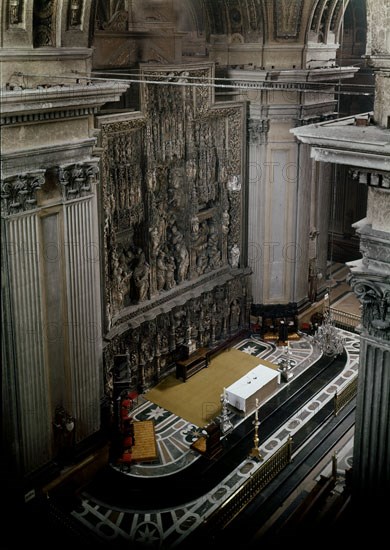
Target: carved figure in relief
x=175, y=186
x=201, y=261
x=151, y=180
x=145, y=354
x=141, y=276
x=191, y=169
x=203, y=191
x=234, y=183
x=225, y=222
x=176, y=237
x=154, y=240
x=235, y=311
x=170, y=281
x=234, y=255
x=212, y=248
x=194, y=226
x=183, y=259
x=161, y=270
x=109, y=384
x=125, y=273
x=117, y=291
x=201, y=248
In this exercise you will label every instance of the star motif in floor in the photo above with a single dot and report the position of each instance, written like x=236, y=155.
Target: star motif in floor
x=252, y=350
x=197, y=432
x=156, y=413
x=147, y=534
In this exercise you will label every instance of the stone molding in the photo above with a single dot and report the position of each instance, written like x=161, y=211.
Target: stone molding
x=54, y=97
x=48, y=115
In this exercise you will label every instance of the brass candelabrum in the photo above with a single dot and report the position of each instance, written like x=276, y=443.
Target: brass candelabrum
x=226, y=424
x=255, y=453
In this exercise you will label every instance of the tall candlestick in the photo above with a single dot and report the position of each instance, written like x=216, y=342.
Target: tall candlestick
x=255, y=453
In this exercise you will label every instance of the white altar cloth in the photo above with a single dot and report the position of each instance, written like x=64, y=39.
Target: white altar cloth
x=258, y=383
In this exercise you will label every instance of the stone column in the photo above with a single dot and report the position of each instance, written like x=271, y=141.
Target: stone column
x=288, y=194
x=371, y=460
x=370, y=280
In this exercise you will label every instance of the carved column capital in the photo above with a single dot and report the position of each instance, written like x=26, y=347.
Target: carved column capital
x=18, y=193
x=258, y=130
x=373, y=291
x=78, y=180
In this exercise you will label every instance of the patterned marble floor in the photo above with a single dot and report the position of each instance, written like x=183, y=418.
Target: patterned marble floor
x=170, y=527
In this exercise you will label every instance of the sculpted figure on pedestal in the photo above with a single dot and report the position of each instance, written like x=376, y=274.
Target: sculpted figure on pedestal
x=234, y=256
x=141, y=276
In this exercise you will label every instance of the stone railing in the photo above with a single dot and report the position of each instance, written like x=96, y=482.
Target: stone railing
x=345, y=396
x=346, y=321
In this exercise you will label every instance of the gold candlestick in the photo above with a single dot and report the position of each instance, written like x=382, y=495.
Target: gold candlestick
x=255, y=453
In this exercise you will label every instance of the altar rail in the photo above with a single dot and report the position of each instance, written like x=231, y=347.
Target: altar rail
x=345, y=396
x=346, y=321
x=236, y=503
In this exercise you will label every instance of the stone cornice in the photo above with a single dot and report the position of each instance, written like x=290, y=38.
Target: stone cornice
x=43, y=54
x=380, y=62
x=274, y=78
x=111, y=118
x=161, y=29
x=351, y=158
x=60, y=98
x=48, y=115
x=34, y=159
x=341, y=142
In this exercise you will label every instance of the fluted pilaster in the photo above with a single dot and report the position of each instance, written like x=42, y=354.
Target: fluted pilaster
x=84, y=322
x=26, y=329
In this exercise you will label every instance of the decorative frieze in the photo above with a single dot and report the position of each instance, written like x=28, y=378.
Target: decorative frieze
x=47, y=115
x=373, y=179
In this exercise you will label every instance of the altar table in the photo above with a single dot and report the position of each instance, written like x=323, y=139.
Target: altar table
x=259, y=383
